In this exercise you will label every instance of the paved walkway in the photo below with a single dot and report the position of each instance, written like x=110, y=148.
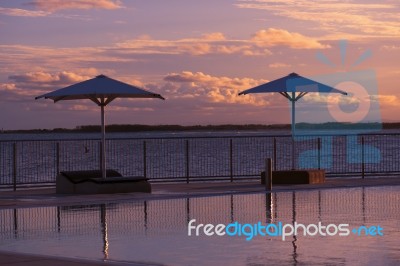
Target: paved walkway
x=17, y=259
x=48, y=197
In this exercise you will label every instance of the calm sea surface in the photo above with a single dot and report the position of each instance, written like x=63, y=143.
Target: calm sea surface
x=152, y=134
x=164, y=134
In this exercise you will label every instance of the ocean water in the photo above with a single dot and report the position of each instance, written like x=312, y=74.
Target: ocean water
x=167, y=134
x=156, y=231
x=140, y=135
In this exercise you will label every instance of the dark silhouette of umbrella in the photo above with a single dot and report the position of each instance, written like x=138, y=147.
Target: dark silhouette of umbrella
x=293, y=87
x=102, y=90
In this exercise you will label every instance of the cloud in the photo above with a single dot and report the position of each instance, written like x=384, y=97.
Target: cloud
x=34, y=83
x=217, y=43
x=390, y=47
x=336, y=16
x=215, y=36
x=48, y=7
x=192, y=98
x=43, y=80
x=387, y=100
x=337, y=99
x=63, y=77
x=279, y=37
x=22, y=58
x=279, y=65
x=56, y=5
x=213, y=43
x=7, y=87
x=215, y=89
x=17, y=12
x=24, y=87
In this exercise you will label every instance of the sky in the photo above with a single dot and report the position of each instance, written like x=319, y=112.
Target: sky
x=199, y=55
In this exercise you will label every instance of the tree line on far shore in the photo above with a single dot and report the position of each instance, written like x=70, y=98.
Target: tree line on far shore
x=227, y=127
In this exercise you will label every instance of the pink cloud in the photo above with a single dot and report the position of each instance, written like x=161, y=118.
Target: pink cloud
x=279, y=37
x=25, y=87
x=60, y=78
x=55, y=5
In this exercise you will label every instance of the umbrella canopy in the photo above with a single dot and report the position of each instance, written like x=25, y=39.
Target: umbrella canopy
x=100, y=87
x=293, y=87
x=291, y=84
x=101, y=90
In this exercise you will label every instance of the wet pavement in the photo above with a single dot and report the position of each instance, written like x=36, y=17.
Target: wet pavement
x=47, y=197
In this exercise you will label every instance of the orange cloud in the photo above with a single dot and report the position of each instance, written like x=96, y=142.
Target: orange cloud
x=17, y=12
x=387, y=100
x=215, y=89
x=215, y=36
x=7, y=87
x=279, y=37
x=21, y=58
x=217, y=43
x=213, y=43
x=55, y=5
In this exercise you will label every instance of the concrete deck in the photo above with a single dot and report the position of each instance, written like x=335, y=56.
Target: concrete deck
x=48, y=197
x=17, y=259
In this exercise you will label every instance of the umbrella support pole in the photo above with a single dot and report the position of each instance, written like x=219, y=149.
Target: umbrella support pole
x=103, y=141
x=293, y=99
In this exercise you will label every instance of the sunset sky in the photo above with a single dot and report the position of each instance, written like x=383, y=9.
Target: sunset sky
x=197, y=54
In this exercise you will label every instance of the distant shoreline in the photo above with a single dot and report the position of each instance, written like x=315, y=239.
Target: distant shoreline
x=227, y=127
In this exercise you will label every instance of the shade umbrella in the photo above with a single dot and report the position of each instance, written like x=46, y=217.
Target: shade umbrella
x=102, y=90
x=293, y=87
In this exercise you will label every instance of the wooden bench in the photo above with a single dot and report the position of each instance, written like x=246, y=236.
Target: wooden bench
x=91, y=182
x=290, y=177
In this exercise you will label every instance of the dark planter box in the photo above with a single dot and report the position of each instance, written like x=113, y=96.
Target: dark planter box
x=290, y=177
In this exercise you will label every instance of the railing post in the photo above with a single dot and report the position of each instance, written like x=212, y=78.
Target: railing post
x=58, y=219
x=57, y=158
x=100, y=157
x=15, y=223
x=274, y=153
x=268, y=174
x=293, y=154
x=231, y=159
x=319, y=153
x=187, y=160
x=144, y=160
x=362, y=158
x=15, y=166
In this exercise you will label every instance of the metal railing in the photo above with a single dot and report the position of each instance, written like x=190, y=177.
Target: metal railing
x=189, y=159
